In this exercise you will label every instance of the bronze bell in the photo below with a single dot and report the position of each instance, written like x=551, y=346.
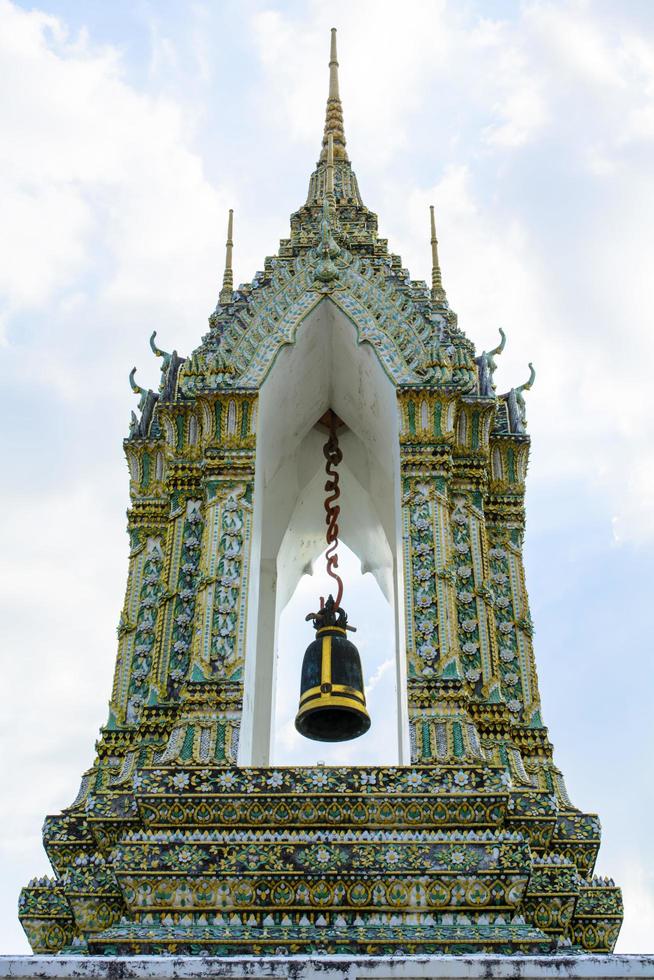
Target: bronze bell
x=332, y=699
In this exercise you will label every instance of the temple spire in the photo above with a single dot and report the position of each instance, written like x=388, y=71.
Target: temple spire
x=437, y=291
x=228, y=277
x=334, y=113
x=330, y=170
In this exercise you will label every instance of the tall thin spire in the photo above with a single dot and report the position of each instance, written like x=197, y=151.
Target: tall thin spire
x=437, y=291
x=228, y=276
x=334, y=113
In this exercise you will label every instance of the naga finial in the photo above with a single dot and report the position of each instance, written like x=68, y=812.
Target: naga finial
x=156, y=350
x=327, y=248
x=167, y=360
x=516, y=404
x=143, y=395
x=132, y=383
x=532, y=377
x=487, y=367
x=502, y=344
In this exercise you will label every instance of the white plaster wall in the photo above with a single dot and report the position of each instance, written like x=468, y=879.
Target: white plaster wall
x=325, y=368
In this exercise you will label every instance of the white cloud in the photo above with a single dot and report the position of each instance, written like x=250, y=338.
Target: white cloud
x=577, y=42
x=374, y=43
x=591, y=398
x=380, y=672
x=524, y=113
x=97, y=179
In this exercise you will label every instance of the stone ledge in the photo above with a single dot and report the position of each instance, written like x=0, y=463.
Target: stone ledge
x=335, y=967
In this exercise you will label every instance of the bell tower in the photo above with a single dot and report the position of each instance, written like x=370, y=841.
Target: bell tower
x=182, y=838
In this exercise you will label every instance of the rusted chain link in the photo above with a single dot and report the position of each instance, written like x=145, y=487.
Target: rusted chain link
x=333, y=455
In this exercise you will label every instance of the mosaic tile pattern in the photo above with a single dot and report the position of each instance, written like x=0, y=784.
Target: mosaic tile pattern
x=170, y=846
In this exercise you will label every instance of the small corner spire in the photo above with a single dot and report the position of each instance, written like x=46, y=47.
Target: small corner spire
x=334, y=114
x=437, y=291
x=228, y=277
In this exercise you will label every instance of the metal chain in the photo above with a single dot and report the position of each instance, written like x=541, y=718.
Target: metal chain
x=333, y=455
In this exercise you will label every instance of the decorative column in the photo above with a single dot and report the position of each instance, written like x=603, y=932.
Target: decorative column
x=441, y=729
x=147, y=519
x=471, y=564
x=205, y=633
x=525, y=737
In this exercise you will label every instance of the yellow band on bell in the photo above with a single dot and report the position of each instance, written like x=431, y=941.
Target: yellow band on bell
x=331, y=629
x=342, y=689
x=326, y=664
x=329, y=701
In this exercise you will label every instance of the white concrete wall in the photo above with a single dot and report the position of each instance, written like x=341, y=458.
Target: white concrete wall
x=478, y=967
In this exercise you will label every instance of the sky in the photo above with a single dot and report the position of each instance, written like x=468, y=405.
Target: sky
x=128, y=131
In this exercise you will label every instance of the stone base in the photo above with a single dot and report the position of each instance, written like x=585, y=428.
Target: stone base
x=397, y=939
x=194, y=860
x=333, y=967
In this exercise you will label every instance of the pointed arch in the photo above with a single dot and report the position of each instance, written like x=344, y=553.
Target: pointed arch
x=252, y=339
x=326, y=368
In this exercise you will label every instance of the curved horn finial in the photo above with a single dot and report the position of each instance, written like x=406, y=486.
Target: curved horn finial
x=153, y=346
x=502, y=344
x=532, y=377
x=132, y=383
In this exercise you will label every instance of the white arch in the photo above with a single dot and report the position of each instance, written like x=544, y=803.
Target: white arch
x=325, y=368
